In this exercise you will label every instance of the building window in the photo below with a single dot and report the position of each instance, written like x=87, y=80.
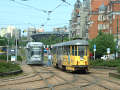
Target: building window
x=107, y=26
x=113, y=16
x=103, y=26
x=99, y=26
x=107, y=18
x=101, y=18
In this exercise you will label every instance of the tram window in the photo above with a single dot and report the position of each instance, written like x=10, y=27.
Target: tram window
x=68, y=50
x=65, y=50
x=72, y=50
x=62, y=50
x=75, y=50
x=81, y=50
x=53, y=50
x=35, y=52
x=86, y=51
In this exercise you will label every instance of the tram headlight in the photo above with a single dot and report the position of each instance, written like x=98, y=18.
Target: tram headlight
x=81, y=58
x=86, y=63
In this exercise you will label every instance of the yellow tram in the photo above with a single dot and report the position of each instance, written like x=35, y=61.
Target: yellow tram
x=71, y=55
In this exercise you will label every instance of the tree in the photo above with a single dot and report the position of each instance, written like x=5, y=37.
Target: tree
x=53, y=39
x=3, y=41
x=102, y=42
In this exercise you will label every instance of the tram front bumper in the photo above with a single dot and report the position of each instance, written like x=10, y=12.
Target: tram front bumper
x=80, y=67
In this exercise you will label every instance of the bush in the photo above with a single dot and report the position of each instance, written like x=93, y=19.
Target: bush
x=19, y=58
x=8, y=67
x=4, y=57
x=111, y=63
x=118, y=69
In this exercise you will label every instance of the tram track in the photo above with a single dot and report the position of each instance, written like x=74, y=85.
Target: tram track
x=23, y=82
x=55, y=79
x=52, y=86
x=96, y=81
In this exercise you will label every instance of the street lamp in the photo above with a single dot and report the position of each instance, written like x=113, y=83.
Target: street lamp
x=117, y=38
x=7, y=50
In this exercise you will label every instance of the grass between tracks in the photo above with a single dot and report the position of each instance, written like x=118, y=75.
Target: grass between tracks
x=8, y=67
x=108, y=63
x=46, y=58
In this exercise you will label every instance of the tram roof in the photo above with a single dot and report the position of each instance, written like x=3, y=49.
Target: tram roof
x=73, y=42
x=34, y=43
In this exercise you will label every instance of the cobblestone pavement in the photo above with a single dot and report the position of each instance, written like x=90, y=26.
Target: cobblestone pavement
x=49, y=78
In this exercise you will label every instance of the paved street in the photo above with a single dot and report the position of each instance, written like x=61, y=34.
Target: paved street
x=47, y=78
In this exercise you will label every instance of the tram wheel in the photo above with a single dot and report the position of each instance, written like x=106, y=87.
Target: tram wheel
x=63, y=68
x=85, y=71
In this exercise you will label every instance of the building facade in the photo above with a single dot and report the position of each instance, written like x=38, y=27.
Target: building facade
x=30, y=31
x=60, y=29
x=78, y=23
x=10, y=31
x=104, y=16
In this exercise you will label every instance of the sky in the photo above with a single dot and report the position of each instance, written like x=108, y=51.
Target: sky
x=24, y=14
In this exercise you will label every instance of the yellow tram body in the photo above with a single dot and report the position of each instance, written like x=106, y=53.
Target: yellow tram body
x=71, y=55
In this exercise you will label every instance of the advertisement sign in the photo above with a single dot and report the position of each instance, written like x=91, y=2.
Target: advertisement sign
x=13, y=58
x=108, y=50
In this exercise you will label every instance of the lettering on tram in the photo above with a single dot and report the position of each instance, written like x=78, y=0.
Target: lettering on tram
x=71, y=55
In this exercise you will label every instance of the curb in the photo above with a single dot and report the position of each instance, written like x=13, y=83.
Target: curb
x=111, y=74
x=102, y=67
x=11, y=73
x=115, y=75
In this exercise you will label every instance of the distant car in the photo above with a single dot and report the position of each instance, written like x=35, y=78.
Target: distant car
x=105, y=57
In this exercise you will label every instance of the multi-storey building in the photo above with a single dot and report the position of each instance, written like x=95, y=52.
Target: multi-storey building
x=30, y=31
x=104, y=16
x=60, y=29
x=78, y=23
x=3, y=32
x=10, y=32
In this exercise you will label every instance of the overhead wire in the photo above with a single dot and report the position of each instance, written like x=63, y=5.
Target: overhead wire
x=51, y=11
x=37, y=9
x=48, y=12
x=66, y=2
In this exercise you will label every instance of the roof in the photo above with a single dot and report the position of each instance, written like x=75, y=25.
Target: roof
x=95, y=4
x=34, y=43
x=73, y=42
x=102, y=7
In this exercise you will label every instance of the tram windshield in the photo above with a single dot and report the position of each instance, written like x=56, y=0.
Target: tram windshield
x=35, y=52
x=81, y=51
x=35, y=46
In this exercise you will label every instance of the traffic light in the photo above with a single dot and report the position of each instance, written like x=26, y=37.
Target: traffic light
x=24, y=31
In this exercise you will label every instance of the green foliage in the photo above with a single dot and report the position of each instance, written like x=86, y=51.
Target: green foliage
x=118, y=69
x=7, y=67
x=53, y=40
x=3, y=41
x=23, y=41
x=4, y=57
x=102, y=41
x=111, y=63
x=19, y=58
x=45, y=58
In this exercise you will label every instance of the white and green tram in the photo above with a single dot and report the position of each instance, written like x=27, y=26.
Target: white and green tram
x=34, y=53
